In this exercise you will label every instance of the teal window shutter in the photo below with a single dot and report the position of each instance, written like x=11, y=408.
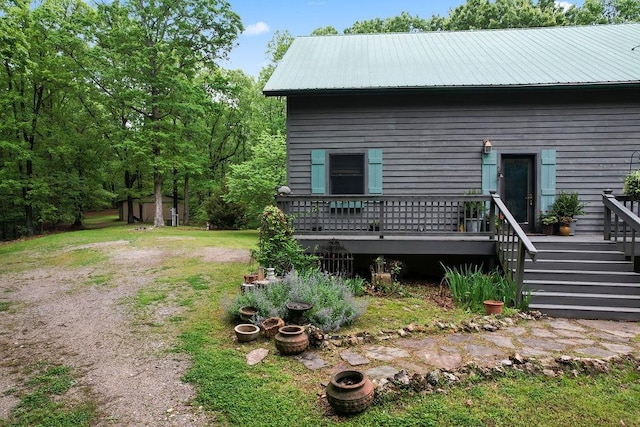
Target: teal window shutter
x=375, y=171
x=547, y=178
x=490, y=172
x=318, y=172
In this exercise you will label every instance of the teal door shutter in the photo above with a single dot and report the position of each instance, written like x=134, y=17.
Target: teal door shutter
x=318, y=172
x=547, y=179
x=375, y=171
x=490, y=172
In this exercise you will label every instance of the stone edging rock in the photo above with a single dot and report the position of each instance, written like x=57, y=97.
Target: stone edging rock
x=319, y=339
x=441, y=380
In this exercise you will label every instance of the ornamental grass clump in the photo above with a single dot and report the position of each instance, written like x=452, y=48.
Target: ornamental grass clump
x=470, y=286
x=333, y=302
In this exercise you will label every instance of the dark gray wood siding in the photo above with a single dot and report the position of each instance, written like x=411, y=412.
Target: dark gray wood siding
x=432, y=142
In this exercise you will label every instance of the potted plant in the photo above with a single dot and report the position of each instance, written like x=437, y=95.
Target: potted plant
x=568, y=205
x=548, y=221
x=632, y=185
x=473, y=212
x=565, y=225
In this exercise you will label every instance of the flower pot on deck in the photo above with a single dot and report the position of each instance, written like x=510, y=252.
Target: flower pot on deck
x=564, y=230
x=473, y=225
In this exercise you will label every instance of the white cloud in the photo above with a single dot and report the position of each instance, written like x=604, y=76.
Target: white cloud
x=257, y=28
x=564, y=5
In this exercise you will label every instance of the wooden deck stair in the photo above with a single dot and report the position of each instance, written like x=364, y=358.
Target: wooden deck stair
x=588, y=280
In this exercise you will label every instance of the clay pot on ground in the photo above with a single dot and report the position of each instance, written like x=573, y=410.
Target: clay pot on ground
x=493, y=307
x=564, y=229
x=250, y=278
x=350, y=392
x=246, y=332
x=291, y=339
x=271, y=325
x=384, y=278
x=247, y=312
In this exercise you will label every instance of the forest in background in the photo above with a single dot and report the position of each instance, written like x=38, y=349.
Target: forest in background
x=109, y=103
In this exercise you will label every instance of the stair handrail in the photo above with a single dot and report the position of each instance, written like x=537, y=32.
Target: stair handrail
x=510, y=238
x=622, y=216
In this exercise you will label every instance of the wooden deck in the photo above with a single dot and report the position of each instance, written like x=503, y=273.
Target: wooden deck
x=440, y=244
x=454, y=244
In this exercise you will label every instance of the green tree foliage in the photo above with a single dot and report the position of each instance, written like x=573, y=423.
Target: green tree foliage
x=47, y=151
x=487, y=14
x=253, y=183
x=222, y=214
x=403, y=23
x=151, y=52
x=325, y=31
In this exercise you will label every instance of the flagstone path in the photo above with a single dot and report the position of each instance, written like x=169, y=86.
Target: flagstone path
x=543, y=338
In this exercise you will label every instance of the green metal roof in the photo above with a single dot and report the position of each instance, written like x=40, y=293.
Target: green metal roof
x=554, y=56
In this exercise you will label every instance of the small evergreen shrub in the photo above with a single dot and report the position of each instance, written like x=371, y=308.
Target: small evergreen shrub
x=333, y=302
x=225, y=215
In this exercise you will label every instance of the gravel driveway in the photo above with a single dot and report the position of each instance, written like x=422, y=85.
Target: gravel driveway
x=121, y=362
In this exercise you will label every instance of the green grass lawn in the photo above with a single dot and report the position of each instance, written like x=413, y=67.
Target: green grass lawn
x=281, y=391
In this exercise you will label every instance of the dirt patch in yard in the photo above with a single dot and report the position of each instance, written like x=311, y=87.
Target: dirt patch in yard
x=126, y=366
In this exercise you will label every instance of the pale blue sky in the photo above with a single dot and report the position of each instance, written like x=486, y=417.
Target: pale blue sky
x=262, y=17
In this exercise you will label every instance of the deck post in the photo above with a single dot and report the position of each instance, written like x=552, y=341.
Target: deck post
x=607, y=215
x=519, y=276
x=381, y=218
x=492, y=215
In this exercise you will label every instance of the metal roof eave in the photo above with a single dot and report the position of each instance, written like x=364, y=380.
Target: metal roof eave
x=477, y=88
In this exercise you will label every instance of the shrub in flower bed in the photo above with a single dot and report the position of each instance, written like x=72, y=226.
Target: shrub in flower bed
x=333, y=302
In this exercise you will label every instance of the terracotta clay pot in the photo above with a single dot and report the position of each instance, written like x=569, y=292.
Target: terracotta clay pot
x=250, y=278
x=271, y=325
x=291, y=339
x=564, y=230
x=350, y=392
x=493, y=307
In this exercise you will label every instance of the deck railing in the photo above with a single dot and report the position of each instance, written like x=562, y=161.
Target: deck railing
x=621, y=221
x=389, y=215
x=416, y=215
x=512, y=244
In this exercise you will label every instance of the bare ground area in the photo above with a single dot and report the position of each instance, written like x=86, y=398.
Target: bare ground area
x=121, y=363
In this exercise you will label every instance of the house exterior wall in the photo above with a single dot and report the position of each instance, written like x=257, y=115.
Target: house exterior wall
x=432, y=141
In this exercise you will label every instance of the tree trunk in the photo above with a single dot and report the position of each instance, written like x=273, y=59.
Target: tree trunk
x=129, y=180
x=185, y=219
x=28, y=208
x=175, y=190
x=158, y=220
x=77, y=223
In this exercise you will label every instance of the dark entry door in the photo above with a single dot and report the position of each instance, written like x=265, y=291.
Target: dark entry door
x=518, y=189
